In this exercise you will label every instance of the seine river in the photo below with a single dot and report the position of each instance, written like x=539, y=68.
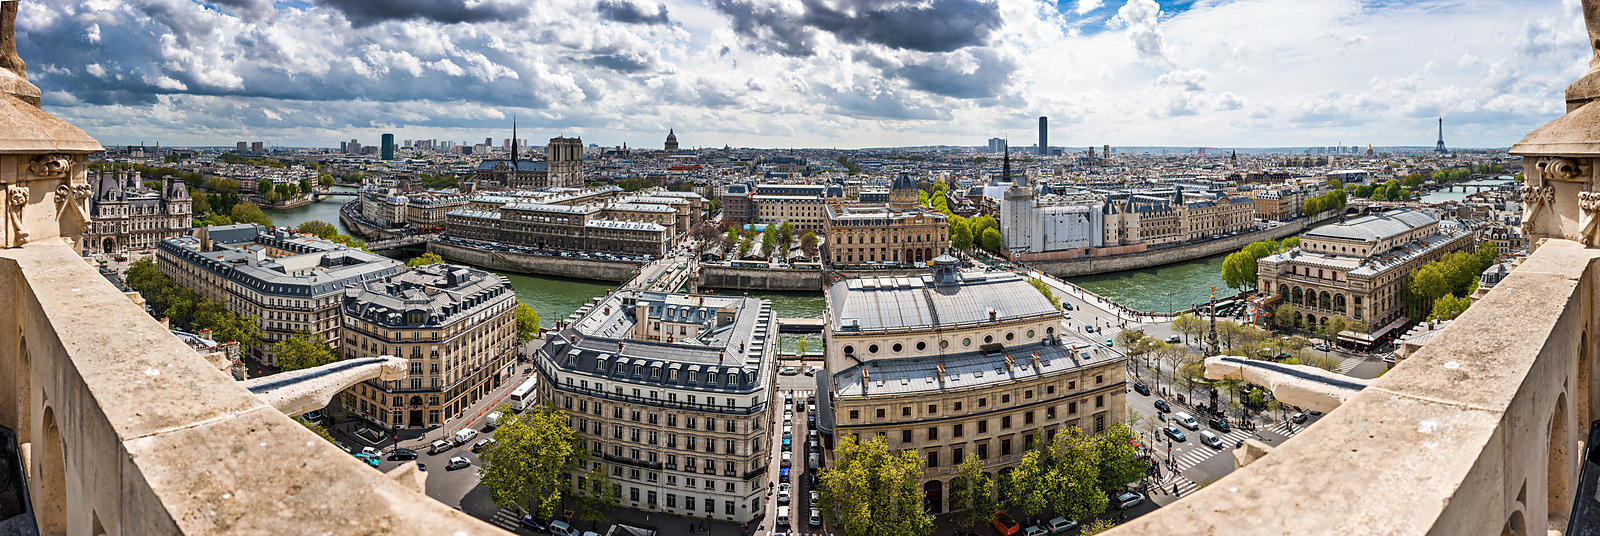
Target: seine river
x=1152, y=289
x=554, y=297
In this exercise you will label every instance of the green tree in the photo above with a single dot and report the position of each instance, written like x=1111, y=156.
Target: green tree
x=249, y=213
x=808, y=244
x=319, y=228
x=1290, y=243
x=1284, y=316
x=215, y=219
x=527, y=323
x=316, y=429
x=594, y=502
x=1313, y=206
x=871, y=491
x=325, y=180
x=303, y=352
x=1448, y=307
x=769, y=240
x=424, y=259
x=991, y=240
x=960, y=234
x=263, y=186
x=523, y=468
x=972, y=493
x=1044, y=289
x=1189, y=324
x=305, y=185
x=1096, y=527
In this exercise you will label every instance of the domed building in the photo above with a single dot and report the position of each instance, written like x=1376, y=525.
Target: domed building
x=672, y=140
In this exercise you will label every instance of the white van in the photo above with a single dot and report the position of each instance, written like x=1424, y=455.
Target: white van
x=492, y=421
x=783, y=516
x=1210, y=439
x=1186, y=420
x=465, y=435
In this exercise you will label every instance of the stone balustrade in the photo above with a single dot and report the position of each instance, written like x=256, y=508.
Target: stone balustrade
x=1478, y=433
x=126, y=430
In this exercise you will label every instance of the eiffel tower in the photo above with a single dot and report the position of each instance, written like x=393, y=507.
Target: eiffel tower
x=1439, y=148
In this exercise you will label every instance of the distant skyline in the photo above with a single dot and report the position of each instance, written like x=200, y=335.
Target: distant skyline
x=806, y=73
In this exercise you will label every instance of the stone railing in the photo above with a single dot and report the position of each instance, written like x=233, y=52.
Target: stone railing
x=1483, y=430
x=126, y=430
x=1479, y=431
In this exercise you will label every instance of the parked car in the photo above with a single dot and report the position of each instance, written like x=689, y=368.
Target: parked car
x=788, y=371
x=1298, y=418
x=1004, y=524
x=403, y=454
x=1061, y=524
x=1186, y=420
x=1163, y=406
x=1067, y=305
x=482, y=444
x=457, y=462
x=788, y=459
x=1210, y=439
x=783, y=493
x=1141, y=388
x=815, y=519
x=788, y=444
x=1174, y=433
x=1035, y=530
x=1220, y=424
x=439, y=446
x=371, y=459
x=533, y=523
x=561, y=528
x=1127, y=499
x=1174, y=339
x=492, y=421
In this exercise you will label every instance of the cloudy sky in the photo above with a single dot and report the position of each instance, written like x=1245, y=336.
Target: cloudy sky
x=806, y=73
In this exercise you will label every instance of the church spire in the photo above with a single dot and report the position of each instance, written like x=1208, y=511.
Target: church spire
x=513, y=144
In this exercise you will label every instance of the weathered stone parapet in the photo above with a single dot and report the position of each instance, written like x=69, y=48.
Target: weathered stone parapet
x=130, y=431
x=1477, y=433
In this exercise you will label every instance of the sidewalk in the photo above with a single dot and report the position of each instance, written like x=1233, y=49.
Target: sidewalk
x=416, y=439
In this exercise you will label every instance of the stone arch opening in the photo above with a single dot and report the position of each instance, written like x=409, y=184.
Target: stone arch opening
x=1338, y=303
x=934, y=500
x=1295, y=296
x=1558, y=486
x=50, y=471
x=1515, y=526
x=1324, y=300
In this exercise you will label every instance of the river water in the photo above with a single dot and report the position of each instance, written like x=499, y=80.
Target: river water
x=1162, y=288
x=1460, y=194
x=554, y=298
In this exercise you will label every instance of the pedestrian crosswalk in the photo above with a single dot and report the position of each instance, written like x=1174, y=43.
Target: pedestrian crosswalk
x=507, y=519
x=1184, y=485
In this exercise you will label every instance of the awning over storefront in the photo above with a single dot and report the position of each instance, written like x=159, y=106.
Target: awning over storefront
x=1375, y=336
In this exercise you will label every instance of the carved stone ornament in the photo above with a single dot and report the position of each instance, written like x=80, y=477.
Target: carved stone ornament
x=76, y=197
x=1558, y=168
x=51, y=166
x=1589, y=217
x=16, y=197
x=1535, y=199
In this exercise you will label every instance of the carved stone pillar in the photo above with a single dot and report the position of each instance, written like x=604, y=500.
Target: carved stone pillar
x=1561, y=194
x=44, y=191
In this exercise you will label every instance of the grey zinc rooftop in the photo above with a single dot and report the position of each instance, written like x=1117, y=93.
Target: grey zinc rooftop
x=319, y=267
x=916, y=375
x=598, y=342
x=442, y=292
x=900, y=303
x=1375, y=227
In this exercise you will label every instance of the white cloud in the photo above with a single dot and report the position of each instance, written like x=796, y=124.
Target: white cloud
x=1219, y=73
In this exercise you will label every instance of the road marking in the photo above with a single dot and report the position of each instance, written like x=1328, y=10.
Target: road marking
x=507, y=519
